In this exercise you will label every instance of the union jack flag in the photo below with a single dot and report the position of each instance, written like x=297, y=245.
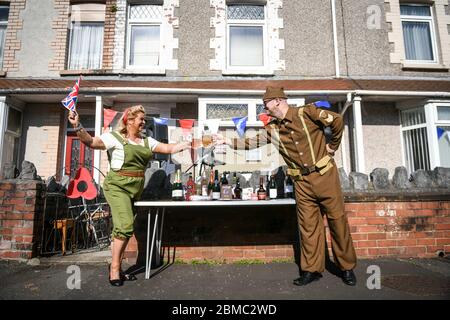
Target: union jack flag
x=70, y=102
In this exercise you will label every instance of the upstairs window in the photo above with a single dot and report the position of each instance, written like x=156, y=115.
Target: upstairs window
x=86, y=36
x=4, y=13
x=246, y=37
x=144, y=35
x=418, y=33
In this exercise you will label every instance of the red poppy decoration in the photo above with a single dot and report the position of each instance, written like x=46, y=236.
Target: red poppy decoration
x=82, y=186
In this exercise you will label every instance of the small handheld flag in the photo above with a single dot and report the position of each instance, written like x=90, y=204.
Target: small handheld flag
x=70, y=102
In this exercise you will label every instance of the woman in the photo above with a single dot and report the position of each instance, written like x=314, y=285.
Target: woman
x=128, y=154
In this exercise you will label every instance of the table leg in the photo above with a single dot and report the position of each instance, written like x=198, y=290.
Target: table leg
x=152, y=244
x=160, y=233
x=149, y=218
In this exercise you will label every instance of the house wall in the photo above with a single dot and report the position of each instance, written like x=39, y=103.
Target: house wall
x=35, y=37
x=382, y=139
x=41, y=137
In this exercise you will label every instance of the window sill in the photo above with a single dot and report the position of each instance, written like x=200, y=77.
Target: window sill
x=247, y=72
x=152, y=71
x=84, y=72
x=2, y=74
x=424, y=67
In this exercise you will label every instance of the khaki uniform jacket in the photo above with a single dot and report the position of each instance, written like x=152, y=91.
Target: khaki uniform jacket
x=303, y=141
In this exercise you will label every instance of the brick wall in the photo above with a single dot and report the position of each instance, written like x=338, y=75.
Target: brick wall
x=379, y=229
x=20, y=226
x=59, y=44
x=13, y=44
x=108, y=42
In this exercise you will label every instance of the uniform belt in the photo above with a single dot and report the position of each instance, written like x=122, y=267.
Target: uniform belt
x=302, y=171
x=128, y=173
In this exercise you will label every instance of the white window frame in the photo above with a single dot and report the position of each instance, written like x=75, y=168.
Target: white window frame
x=264, y=69
x=144, y=22
x=251, y=109
x=14, y=134
x=3, y=23
x=69, y=57
x=431, y=113
x=431, y=124
x=430, y=21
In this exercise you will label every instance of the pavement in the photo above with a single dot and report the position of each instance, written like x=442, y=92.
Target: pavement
x=378, y=279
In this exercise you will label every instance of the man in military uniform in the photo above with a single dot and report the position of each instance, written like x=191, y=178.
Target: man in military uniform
x=299, y=135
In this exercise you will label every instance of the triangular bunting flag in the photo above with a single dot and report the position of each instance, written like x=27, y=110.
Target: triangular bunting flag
x=108, y=116
x=240, y=124
x=322, y=104
x=265, y=118
x=213, y=125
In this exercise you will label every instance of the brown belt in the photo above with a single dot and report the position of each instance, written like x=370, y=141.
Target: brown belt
x=128, y=173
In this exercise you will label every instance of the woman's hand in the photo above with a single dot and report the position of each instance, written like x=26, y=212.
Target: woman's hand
x=219, y=139
x=74, y=119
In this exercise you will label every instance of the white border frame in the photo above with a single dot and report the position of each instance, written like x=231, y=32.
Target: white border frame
x=247, y=23
x=430, y=21
x=144, y=22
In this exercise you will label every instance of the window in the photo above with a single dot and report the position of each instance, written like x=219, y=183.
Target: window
x=144, y=34
x=11, y=144
x=4, y=13
x=414, y=132
x=443, y=134
x=86, y=36
x=418, y=33
x=246, y=34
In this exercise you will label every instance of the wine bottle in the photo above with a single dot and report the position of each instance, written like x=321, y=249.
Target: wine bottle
x=289, y=188
x=204, y=185
x=216, y=187
x=261, y=192
x=190, y=188
x=177, y=187
x=211, y=183
x=267, y=186
x=273, y=192
x=237, y=192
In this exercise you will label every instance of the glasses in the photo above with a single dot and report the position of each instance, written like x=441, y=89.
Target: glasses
x=207, y=139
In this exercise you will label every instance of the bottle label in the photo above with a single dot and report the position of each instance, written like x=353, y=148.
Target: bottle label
x=273, y=193
x=177, y=193
x=204, y=190
x=261, y=196
x=216, y=195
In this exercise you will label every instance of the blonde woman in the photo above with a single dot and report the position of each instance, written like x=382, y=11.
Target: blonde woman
x=128, y=154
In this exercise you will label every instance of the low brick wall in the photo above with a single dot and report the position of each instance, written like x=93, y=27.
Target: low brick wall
x=380, y=227
x=21, y=205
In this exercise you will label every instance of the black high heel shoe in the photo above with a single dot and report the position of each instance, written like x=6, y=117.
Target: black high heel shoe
x=114, y=282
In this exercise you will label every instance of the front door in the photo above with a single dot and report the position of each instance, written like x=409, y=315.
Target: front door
x=78, y=155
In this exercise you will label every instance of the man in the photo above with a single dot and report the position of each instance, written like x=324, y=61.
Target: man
x=299, y=135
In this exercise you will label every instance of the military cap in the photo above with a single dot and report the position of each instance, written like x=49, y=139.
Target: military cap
x=273, y=93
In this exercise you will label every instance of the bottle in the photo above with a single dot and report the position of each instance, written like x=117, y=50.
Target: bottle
x=273, y=192
x=289, y=188
x=216, y=187
x=190, y=188
x=237, y=192
x=267, y=186
x=226, y=192
x=233, y=183
x=204, y=185
x=261, y=192
x=177, y=187
x=211, y=183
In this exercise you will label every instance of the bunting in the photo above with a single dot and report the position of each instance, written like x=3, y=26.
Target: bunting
x=241, y=124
